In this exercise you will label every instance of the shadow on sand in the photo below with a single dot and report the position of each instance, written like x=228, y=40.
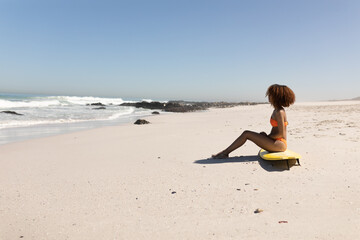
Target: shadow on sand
x=270, y=166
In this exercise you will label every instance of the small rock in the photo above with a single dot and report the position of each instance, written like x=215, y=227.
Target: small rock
x=258, y=210
x=99, y=108
x=141, y=121
x=12, y=112
x=173, y=192
x=283, y=221
x=238, y=189
x=96, y=104
x=155, y=112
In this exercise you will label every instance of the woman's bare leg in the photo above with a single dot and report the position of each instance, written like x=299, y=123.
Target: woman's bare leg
x=262, y=141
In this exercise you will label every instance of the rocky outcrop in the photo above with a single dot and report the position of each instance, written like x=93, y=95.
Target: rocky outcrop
x=12, y=112
x=168, y=107
x=96, y=104
x=141, y=121
x=146, y=105
x=184, y=106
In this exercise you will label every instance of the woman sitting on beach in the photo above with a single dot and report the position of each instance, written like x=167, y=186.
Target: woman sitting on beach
x=280, y=96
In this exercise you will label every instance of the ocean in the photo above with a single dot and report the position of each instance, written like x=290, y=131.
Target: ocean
x=51, y=115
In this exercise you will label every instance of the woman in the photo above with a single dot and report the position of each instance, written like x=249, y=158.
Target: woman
x=280, y=96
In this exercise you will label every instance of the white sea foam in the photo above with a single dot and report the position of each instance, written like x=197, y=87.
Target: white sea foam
x=14, y=124
x=56, y=101
x=63, y=110
x=89, y=100
x=117, y=115
x=44, y=115
x=6, y=104
x=150, y=100
x=147, y=100
x=32, y=122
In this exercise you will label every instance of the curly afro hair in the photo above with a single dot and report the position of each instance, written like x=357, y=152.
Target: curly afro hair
x=280, y=96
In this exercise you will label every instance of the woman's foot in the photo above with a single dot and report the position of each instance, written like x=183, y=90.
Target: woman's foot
x=220, y=155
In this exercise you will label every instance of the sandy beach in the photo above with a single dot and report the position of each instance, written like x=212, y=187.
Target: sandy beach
x=156, y=181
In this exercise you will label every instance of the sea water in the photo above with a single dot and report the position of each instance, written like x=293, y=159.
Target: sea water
x=51, y=115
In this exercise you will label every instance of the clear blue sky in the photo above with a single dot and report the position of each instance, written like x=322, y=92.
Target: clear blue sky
x=181, y=49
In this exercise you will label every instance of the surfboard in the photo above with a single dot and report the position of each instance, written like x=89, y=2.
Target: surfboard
x=277, y=156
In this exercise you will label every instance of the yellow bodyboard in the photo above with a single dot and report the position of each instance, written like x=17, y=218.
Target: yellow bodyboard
x=288, y=154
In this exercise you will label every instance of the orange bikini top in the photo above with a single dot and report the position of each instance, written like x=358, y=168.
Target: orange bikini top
x=274, y=123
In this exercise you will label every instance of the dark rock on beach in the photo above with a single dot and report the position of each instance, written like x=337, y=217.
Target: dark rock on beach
x=146, y=105
x=96, y=104
x=184, y=106
x=155, y=112
x=141, y=121
x=99, y=108
x=12, y=112
x=168, y=107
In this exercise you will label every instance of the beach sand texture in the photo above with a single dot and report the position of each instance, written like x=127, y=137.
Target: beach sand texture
x=155, y=181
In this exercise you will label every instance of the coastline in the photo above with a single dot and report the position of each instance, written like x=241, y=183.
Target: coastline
x=155, y=181
x=19, y=134
x=30, y=116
